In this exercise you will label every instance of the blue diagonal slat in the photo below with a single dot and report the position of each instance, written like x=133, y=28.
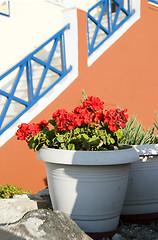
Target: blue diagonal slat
x=39, y=61
x=99, y=24
x=47, y=66
x=10, y=98
x=117, y=13
x=19, y=100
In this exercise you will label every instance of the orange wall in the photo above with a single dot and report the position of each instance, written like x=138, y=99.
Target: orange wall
x=130, y=67
x=125, y=75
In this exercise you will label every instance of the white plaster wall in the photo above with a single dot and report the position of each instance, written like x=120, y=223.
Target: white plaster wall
x=30, y=24
x=84, y=4
x=81, y=4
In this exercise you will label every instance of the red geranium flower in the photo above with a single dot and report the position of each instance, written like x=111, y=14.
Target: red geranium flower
x=93, y=104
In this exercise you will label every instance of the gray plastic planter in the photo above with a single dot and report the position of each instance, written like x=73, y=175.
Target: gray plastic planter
x=88, y=185
x=142, y=191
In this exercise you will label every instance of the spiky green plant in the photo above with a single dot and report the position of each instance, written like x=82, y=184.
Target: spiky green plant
x=156, y=121
x=135, y=134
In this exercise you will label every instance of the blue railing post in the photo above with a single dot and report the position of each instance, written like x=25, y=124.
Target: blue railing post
x=63, y=53
x=130, y=6
x=109, y=12
x=29, y=80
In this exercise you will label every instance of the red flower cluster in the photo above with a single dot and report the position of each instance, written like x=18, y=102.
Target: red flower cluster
x=115, y=118
x=93, y=104
x=90, y=112
x=81, y=115
x=26, y=131
x=64, y=120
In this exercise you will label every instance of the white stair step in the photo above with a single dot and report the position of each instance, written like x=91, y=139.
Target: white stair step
x=48, y=81
x=56, y=60
x=44, y=54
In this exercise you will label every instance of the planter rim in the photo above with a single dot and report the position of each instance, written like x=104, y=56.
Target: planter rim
x=71, y=157
x=147, y=149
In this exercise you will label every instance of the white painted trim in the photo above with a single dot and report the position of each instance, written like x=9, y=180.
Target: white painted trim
x=117, y=34
x=62, y=3
x=154, y=4
x=71, y=40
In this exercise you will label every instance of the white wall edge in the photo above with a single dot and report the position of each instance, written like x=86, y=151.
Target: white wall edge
x=108, y=43
x=71, y=41
x=154, y=4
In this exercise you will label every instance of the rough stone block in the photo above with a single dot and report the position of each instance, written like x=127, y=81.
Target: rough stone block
x=46, y=224
x=11, y=210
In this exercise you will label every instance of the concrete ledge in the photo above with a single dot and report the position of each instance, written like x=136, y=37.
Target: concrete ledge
x=12, y=210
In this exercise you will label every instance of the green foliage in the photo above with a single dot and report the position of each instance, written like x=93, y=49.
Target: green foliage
x=8, y=191
x=135, y=134
x=156, y=121
x=84, y=94
x=80, y=138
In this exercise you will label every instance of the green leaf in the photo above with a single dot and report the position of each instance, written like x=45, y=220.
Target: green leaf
x=31, y=142
x=104, y=139
x=84, y=94
x=119, y=133
x=71, y=147
x=60, y=138
x=63, y=146
x=77, y=130
x=112, y=140
x=84, y=136
x=52, y=121
x=94, y=141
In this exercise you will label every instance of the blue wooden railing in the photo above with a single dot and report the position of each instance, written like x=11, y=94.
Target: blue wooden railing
x=27, y=65
x=153, y=1
x=111, y=10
